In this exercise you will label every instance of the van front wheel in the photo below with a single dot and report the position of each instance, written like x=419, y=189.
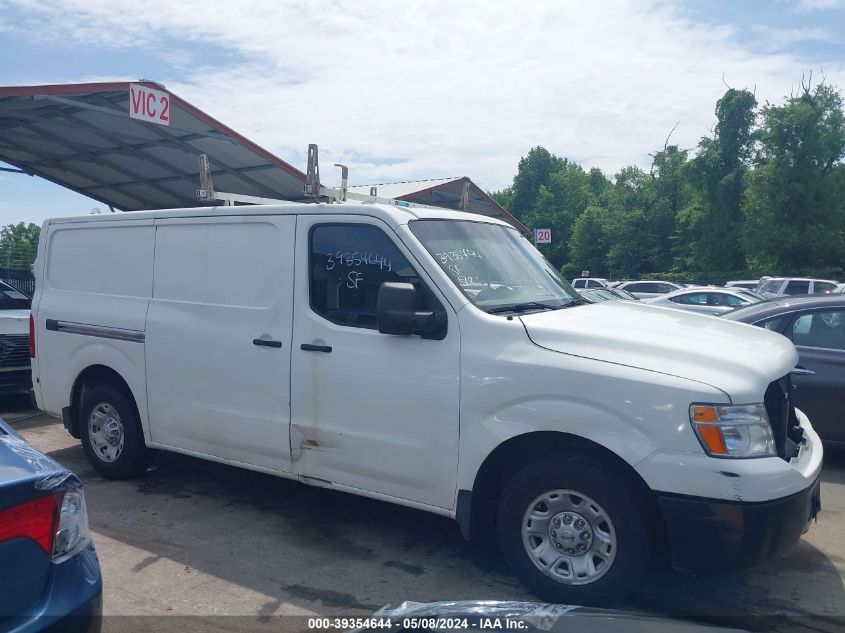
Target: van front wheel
x=573, y=532
x=111, y=434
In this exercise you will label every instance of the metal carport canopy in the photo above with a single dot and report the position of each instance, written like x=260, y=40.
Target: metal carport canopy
x=81, y=136
x=446, y=193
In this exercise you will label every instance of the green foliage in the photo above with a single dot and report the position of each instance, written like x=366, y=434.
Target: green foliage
x=709, y=227
x=18, y=245
x=589, y=243
x=764, y=195
x=795, y=197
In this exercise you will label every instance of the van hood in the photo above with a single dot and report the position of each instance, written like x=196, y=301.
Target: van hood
x=737, y=359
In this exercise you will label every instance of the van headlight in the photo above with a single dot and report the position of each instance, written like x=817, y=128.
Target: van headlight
x=733, y=431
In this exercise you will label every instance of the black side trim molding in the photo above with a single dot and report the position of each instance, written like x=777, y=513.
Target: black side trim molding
x=100, y=331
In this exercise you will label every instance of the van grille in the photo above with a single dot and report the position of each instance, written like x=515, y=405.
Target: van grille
x=785, y=428
x=14, y=351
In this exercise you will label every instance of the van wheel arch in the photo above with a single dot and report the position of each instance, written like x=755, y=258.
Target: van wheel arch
x=476, y=509
x=88, y=378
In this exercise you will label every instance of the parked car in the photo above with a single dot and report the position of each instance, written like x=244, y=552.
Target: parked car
x=622, y=294
x=15, y=370
x=580, y=283
x=749, y=284
x=816, y=325
x=49, y=573
x=715, y=301
x=597, y=295
x=427, y=358
x=780, y=286
x=649, y=289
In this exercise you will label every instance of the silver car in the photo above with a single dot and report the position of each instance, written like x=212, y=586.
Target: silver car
x=649, y=289
x=713, y=300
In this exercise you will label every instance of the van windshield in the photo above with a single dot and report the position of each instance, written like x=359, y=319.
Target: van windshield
x=494, y=266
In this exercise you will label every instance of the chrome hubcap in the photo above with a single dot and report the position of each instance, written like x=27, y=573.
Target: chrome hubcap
x=571, y=533
x=105, y=430
x=569, y=537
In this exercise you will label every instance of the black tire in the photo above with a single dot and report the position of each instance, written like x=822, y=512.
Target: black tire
x=135, y=457
x=618, y=497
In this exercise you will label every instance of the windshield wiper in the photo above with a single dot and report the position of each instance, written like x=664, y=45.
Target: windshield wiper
x=523, y=307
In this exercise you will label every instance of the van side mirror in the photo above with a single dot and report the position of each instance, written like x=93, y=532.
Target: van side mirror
x=396, y=312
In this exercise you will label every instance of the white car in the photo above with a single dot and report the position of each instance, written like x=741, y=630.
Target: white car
x=783, y=286
x=589, y=283
x=340, y=345
x=649, y=289
x=708, y=300
x=15, y=372
x=748, y=284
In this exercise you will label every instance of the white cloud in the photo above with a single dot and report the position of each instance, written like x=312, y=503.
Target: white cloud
x=406, y=90
x=820, y=5
x=778, y=39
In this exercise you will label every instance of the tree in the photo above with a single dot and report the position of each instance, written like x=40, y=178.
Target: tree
x=764, y=194
x=626, y=223
x=669, y=193
x=548, y=192
x=534, y=171
x=588, y=245
x=18, y=245
x=557, y=206
x=794, y=204
x=713, y=215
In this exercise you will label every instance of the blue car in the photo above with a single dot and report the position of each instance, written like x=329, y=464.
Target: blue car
x=49, y=573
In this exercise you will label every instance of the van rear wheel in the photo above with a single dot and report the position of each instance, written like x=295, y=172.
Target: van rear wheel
x=573, y=532
x=111, y=434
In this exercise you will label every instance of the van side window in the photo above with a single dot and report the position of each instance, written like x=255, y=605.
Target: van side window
x=348, y=263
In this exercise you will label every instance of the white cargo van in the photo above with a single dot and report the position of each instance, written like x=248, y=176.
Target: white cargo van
x=432, y=359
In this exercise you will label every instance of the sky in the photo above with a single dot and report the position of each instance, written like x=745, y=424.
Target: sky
x=415, y=89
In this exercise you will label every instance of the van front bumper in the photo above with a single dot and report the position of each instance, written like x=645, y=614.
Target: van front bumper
x=713, y=534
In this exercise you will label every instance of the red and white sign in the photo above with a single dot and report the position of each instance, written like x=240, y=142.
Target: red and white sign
x=148, y=104
x=542, y=236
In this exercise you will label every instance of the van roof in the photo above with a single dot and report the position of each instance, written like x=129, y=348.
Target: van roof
x=393, y=215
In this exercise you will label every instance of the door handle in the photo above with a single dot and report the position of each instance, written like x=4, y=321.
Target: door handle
x=309, y=347
x=264, y=342
x=802, y=371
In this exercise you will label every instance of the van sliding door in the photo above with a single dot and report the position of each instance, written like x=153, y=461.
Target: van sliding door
x=218, y=337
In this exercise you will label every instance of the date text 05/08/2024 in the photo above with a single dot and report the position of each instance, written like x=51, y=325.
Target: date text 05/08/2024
x=422, y=623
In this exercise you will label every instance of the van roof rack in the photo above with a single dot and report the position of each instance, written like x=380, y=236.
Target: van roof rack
x=312, y=189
